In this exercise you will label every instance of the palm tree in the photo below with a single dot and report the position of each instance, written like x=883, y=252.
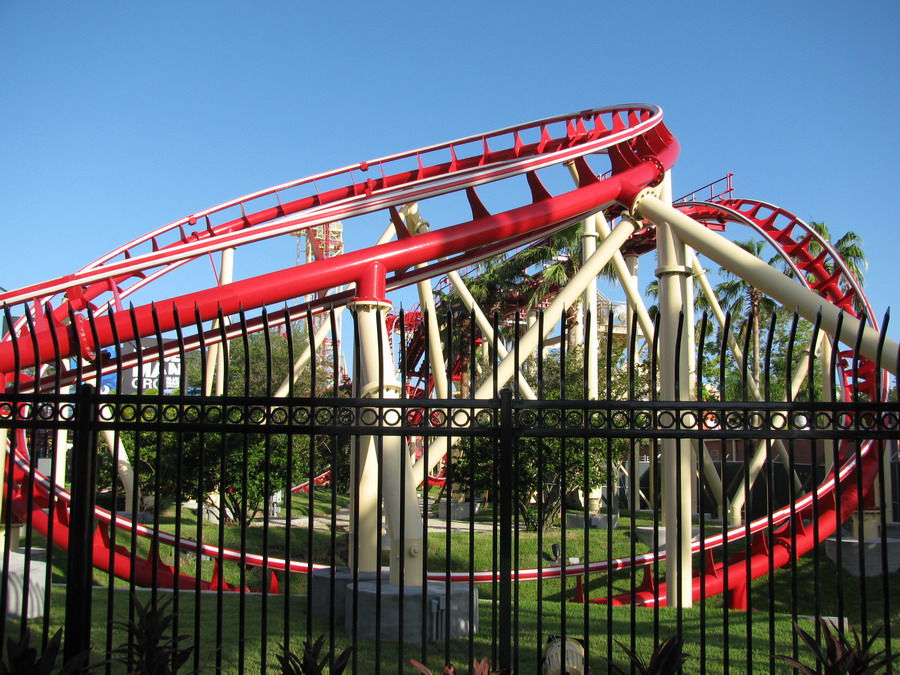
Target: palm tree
x=848, y=247
x=533, y=276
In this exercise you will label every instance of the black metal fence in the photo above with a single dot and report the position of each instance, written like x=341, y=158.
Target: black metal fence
x=539, y=529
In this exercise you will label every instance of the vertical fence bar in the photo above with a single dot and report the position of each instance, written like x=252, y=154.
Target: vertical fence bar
x=513, y=473
x=473, y=601
x=244, y=504
x=701, y=491
x=268, y=501
x=495, y=472
x=179, y=487
x=540, y=482
x=219, y=565
x=201, y=500
x=506, y=524
x=31, y=443
x=57, y=478
x=79, y=570
x=726, y=492
x=7, y=466
x=451, y=479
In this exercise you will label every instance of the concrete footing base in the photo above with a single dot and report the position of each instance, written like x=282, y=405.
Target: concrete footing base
x=458, y=510
x=850, y=550
x=439, y=608
x=644, y=535
x=16, y=591
x=320, y=589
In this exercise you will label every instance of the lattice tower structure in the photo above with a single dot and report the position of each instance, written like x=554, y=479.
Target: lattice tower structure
x=319, y=243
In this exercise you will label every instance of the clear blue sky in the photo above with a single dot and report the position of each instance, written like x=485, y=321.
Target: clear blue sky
x=118, y=117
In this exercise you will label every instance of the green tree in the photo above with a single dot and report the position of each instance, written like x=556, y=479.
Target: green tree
x=523, y=281
x=546, y=469
x=247, y=467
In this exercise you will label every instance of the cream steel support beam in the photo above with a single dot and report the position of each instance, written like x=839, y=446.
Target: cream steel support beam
x=377, y=379
x=60, y=451
x=828, y=396
x=589, y=235
x=528, y=343
x=736, y=506
x=631, y=266
x=216, y=361
x=753, y=385
x=322, y=331
x=772, y=282
x=690, y=365
x=565, y=298
x=4, y=437
x=677, y=467
x=117, y=453
x=435, y=349
x=588, y=246
x=306, y=355
x=419, y=225
x=484, y=325
x=123, y=467
x=628, y=278
x=60, y=456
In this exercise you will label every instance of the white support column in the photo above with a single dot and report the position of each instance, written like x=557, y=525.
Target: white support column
x=677, y=468
x=123, y=468
x=377, y=378
x=418, y=225
x=215, y=362
x=306, y=355
x=487, y=330
x=752, y=384
x=4, y=438
x=60, y=450
x=588, y=246
x=828, y=397
x=888, y=480
x=60, y=455
x=590, y=229
x=631, y=264
x=564, y=298
x=628, y=279
x=687, y=290
x=322, y=331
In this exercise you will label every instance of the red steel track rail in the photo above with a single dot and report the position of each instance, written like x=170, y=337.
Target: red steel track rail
x=639, y=148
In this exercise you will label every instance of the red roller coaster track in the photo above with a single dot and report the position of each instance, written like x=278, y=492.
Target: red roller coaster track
x=639, y=149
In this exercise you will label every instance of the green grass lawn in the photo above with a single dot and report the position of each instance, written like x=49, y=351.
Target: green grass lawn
x=227, y=642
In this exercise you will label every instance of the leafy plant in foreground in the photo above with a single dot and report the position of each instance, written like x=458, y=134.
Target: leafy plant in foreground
x=310, y=663
x=22, y=659
x=840, y=656
x=666, y=659
x=149, y=649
